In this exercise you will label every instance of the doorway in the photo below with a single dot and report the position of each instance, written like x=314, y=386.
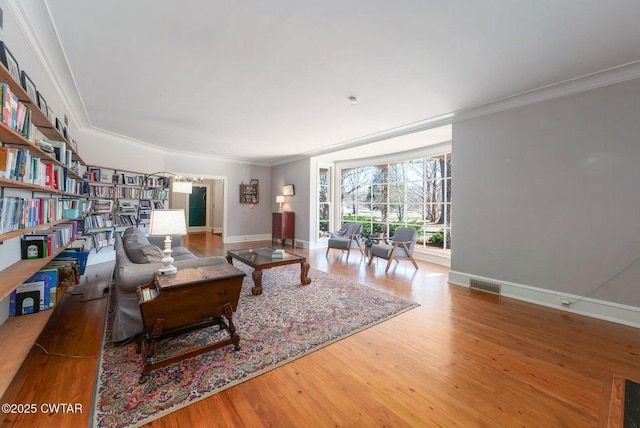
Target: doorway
x=198, y=210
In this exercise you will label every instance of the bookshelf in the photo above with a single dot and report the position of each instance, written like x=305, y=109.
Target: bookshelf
x=249, y=192
x=18, y=334
x=131, y=195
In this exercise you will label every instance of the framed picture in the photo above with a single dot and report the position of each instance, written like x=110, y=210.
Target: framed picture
x=129, y=180
x=117, y=179
x=9, y=61
x=74, y=145
x=64, y=133
x=42, y=104
x=29, y=86
x=49, y=113
x=96, y=173
x=145, y=204
x=58, y=125
x=288, y=190
x=253, y=182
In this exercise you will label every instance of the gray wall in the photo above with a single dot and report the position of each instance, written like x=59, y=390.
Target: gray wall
x=297, y=173
x=548, y=195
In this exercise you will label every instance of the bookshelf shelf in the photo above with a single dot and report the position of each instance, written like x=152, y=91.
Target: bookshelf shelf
x=13, y=276
x=17, y=336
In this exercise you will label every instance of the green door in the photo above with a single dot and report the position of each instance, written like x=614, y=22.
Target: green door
x=198, y=207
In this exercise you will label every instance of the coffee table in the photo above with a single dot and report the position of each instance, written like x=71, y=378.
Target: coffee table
x=260, y=259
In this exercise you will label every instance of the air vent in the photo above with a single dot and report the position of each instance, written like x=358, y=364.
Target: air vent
x=489, y=287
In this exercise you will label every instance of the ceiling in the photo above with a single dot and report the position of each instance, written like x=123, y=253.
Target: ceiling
x=263, y=81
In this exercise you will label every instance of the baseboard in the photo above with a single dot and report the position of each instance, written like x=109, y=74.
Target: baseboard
x=438, y=259
x=246, y=238
x=216, y=230
x=601, y=309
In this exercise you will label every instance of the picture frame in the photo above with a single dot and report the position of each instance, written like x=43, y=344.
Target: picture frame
x=49, y=113
x=74, y=144
x=29, y=86
x=9, y=61
x=58, y=125
x=288, y=190
x=42, y=104
x=117, y=179
x=145, y=204
x=96, y=172
x=130, y=180
x=253, y=182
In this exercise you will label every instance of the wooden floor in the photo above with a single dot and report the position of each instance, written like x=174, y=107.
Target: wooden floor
x=462, y=358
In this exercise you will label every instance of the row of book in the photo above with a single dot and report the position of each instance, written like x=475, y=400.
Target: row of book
x=98, y=221
x=154, y=194
x=15, y=114
x=125, y=220
x=102, y=239
x=18, y=213
x=58, y=150
x=44, y=289
x=96, y=191
x=19, y=164
x=44, y=243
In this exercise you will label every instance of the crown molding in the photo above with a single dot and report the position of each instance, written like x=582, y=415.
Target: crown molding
x=24, y=24
x=587, y=82
x=165, y=151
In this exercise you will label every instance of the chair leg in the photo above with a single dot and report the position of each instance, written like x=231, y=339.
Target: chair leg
x=388, y=264
x=370, y=260
x=413, y=261
x=348, y=252
x=327, y=254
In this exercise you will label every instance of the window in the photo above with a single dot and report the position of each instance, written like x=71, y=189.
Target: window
x=324, y=202
x=413, y=193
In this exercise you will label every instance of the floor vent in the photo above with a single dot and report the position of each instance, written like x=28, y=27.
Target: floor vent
x=489, y=287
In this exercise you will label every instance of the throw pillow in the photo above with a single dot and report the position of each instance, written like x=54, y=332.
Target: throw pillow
x=142, y=254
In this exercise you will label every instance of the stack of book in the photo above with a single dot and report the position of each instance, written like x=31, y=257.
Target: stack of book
x=277, y=254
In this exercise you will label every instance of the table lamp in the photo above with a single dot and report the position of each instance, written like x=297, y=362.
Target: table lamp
x=280, y=201
x=167, y=223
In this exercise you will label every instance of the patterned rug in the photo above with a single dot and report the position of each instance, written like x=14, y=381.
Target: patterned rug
x=286, y=322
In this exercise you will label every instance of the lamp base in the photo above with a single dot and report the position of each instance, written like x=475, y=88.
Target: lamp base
x=168, y=270
x=167, y=261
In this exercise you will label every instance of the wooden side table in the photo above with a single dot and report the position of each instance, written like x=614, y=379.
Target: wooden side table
x=283, y=227
x=191, y=299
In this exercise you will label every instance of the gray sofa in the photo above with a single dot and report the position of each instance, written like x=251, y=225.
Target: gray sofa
x=138, y=258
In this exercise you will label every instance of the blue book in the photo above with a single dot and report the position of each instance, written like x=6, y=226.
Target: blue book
x=50, y=278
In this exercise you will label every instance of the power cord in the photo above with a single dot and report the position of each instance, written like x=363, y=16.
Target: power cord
x=64, y=355
x=608, y=280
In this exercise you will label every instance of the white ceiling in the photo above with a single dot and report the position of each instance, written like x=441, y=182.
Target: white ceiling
x=266, y=80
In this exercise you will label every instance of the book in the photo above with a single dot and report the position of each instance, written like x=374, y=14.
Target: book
x=48, y=276
x=34, y=247
x=29, y=298
x=278, y=254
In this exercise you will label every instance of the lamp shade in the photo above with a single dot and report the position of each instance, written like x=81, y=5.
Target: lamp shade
x=167, y=223
x=181, y=186
x=280, y=199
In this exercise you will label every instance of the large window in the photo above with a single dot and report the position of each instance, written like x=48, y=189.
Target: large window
x=324, y=201
x=414, y=193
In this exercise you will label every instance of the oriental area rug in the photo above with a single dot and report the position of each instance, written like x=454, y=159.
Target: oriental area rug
x=284, y=323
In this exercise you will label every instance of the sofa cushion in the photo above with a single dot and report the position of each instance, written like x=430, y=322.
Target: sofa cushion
x=143, y=253
x=134, y=235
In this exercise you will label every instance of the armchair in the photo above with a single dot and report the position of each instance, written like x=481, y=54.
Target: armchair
x=346, y=238
x=402, y=245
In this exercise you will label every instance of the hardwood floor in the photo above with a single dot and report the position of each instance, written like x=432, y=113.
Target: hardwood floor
x=462, y=358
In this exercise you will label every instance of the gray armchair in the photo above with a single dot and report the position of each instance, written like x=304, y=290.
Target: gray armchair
x=346, y=238
x=402, y=245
